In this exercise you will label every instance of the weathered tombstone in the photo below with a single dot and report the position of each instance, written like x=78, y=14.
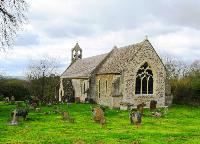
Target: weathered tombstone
x=66, y=116
x=140, y=108
x=71, y=120
x=20, y=112
x=77, y=100
x=12, y=99
x=156, y=114
x=37, y=109
x=161, y=112
x=89, y=100
x=33, y=105
x=135, y=118
x=7, y=99
x=14, y=118
x=56, y=110
x=98, y=115
x=92, y=101
x=153, y=104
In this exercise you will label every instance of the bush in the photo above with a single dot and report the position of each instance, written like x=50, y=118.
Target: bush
x=13, y=87
x=195, y=88
x=1, y=97
x=186, y=90
x=183, y=90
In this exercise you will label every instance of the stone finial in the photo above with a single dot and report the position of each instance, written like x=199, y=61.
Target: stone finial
x=146, y=37
x=115, y=47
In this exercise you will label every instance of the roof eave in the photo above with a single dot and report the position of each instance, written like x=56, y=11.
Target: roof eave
x=75, y=77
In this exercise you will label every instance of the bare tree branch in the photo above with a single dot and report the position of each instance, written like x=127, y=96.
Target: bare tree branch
x=12, y=17
x=42, y=75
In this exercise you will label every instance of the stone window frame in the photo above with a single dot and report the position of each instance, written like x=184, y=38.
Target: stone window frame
x=84, y=87
x=106, y=85
x=99, y=89
x=142, y=73
x=81, y=86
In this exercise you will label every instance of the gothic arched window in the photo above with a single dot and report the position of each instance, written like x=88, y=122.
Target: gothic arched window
x=144, y=80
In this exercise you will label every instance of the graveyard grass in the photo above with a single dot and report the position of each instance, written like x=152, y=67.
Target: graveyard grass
x=180, y=125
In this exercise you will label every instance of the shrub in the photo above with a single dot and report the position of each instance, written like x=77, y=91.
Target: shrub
x=195, y=88
x=1, y=97
x=186, y=90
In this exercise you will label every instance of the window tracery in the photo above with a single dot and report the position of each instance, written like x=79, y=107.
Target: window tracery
x=144, y=80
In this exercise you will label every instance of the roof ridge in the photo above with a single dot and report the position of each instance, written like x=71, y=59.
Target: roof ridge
x=133, y=45
x=83, y=67
x=92, y=56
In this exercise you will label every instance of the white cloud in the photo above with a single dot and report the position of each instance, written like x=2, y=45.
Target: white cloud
x=183, y=44
x=55, y=26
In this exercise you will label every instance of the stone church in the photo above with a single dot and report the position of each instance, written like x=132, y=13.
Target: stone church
x=126, y=76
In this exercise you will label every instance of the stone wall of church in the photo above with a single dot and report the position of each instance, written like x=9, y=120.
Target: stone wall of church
x=92, y=88
x=145, y=54
x=168, y=94
x=104, y=90
x=80, y=86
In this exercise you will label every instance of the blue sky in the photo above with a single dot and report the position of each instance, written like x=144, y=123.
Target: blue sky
x=173, y=27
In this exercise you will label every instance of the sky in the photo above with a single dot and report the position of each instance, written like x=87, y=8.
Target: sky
x=54, y=27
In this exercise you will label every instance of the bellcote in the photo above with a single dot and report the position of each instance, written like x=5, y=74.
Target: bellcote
x=76, y=53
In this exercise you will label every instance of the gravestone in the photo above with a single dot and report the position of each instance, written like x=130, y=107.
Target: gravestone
x=153, y=104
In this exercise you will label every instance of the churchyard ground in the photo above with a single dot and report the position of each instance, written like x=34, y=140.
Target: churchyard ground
x=180, y=125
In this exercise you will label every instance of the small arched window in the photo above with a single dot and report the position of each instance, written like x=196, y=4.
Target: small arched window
x=144, y=80
x=84, y=87
x=99, y=89
x=106, y=86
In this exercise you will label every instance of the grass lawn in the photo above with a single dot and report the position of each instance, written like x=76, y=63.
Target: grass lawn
x=181, y=125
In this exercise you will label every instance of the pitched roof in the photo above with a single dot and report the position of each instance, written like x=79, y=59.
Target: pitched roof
x=112, y=62
x=117, y=61
x=82, y=68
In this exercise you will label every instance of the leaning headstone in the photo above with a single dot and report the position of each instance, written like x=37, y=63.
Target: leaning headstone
x=98, y=115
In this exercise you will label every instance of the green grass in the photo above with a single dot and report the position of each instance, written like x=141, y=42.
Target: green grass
x=181, y=125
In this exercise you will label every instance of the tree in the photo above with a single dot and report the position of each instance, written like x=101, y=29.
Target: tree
x=12, y=17
x=195, y=68
x=175, y=67
x=184, y=80
x=14, y=87
x=195, y=82
x=43, y=79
